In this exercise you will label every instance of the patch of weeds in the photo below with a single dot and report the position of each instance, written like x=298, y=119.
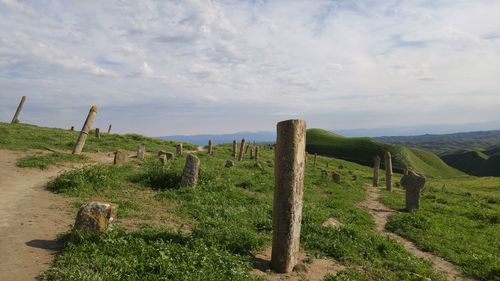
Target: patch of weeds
x=147, y=255
x=43, y=161
x=88, y=180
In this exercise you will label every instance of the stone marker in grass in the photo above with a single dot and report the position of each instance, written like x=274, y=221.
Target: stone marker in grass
x=388, y=171
x=209, y=147
x=233, y=152
x=256, y=157
x=288, y=194
x=109, y=129
x=94, y=218
x=191, y=170
x=72, y=128
x=97, y=133
x=315, y=160
x=15, y=119
x=240, y=153
x=229, y=163
x=376, y=168
x=178, y=149
x=85, y=130
x=336, y=177
x=120, y=157
x=141, y=152
x=413, y=183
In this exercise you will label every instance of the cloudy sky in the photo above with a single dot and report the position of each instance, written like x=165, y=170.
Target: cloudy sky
x=187, y=67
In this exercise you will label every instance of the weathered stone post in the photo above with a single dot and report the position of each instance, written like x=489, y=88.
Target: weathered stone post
x=246, y=148
x=178, y=149
x=15, y=119
x=242, y=146
x=209, y=147
x=315, y=159
x=109, y=129
x=376, y=168
x=388, y=171
x=163, y=159
x=141, y=151
x=120, y=157
x=72, y=128
x=85, y=131
x=97, y=133
x=413, y=184
x=251, y=153
x=191, y=170
x=233, y=153
x=288, y=194
x=94, y=218
x=336, y=177
x=256, y=157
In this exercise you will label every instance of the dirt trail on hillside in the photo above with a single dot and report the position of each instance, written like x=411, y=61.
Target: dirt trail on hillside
x=381, y=214
x=30, y=217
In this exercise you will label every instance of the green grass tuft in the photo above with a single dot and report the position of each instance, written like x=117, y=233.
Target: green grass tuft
x=44, y=161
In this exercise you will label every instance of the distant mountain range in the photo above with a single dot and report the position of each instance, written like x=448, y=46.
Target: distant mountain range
x=201, y=140
x=444, y=144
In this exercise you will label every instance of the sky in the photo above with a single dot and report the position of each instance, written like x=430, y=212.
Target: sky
x=211, y=67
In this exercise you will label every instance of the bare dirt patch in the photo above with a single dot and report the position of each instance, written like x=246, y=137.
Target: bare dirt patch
x=30, y=219
x=381, y=214
x=310, y=268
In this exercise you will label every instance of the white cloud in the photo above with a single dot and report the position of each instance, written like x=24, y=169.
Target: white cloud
x=359, y=59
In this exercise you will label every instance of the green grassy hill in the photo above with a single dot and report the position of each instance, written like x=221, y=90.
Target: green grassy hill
x=24, y=137
x=363, y=150
x=475, y=162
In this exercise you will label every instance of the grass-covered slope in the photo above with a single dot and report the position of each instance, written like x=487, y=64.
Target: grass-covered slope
x=475, y=162
x=228, y=217
x=363, y=150
x=24, y=137
x=459, y=220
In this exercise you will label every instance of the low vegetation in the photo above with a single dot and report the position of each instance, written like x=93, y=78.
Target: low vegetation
x=23, y=137
x=43, y=161
x=459, y=220
x=212, y=231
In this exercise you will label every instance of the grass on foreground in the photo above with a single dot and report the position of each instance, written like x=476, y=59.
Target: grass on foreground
x=23, y=137
x=459, y=220
x=43, y=161
x=229, y=218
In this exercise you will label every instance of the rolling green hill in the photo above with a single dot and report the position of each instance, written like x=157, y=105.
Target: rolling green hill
x=363, y=150
x=475, y=162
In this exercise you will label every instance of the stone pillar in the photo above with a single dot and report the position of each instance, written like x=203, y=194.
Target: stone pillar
x=256, y=157
x=97, y=133
x=251, y=153
x=315, y=159
x=209, y=147
x=233, y=153
x=246, y=148
x=109, y=129
x=15, y=119
x=242, y=146
x=288, y=194
x=336, y=177
x=388, y=171
x=120, y=157
x=72, y=128
x=141, y=152
x=178, y=149
x=163, y=159
x=413, y=184
x=85, y=131
x=376, y=168
x=191, y=170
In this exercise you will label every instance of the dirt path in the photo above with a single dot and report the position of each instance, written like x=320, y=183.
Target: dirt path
x=381, y=214
x=31, y=217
